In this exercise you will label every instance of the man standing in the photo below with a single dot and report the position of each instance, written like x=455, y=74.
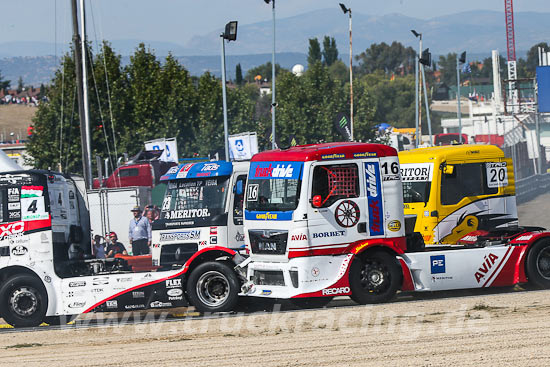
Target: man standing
x=139, y=233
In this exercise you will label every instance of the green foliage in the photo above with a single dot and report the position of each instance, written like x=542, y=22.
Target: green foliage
x=265, y=71
x=20, y=85
x=314, y=52
x=330, y=51
x=394, y=58
x=238, y=74
x=4, y=84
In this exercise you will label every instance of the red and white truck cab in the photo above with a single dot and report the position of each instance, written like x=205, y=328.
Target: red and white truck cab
x=327, y=220
x=311, y=210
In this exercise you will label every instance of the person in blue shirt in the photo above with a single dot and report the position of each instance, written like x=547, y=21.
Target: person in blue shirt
x=139, y=233
x=99, y=247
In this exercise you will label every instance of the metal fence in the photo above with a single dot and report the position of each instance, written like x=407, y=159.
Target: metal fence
x=530, y=187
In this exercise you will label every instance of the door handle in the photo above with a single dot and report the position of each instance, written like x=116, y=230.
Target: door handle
x=362, y=227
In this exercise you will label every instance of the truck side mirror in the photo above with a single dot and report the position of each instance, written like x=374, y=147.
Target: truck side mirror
x=239, y=187
x=317, y=202
x=448, y=169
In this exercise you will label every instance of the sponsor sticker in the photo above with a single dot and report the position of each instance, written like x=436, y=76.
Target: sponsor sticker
x=19, y=250
x=111, y=303
x=394, y=225
x=14, y=206
x=265, y=292
x=365, y=155
x=181, y=236
x=336, y=291
x=327, y=234
x=374, y=198
x=77, y=304
x=78, y=283
x=497, y=174
x=100, y=281
x=413, y=172
x=11, y=229
x=437, y=263
x=173, y=283
x=174, y=292
x=298, y=237
x=187, y=213
x=276, y=170
x=138, y=294
x=333, y=156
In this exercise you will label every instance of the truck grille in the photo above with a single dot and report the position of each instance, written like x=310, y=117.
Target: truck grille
x=270, y=242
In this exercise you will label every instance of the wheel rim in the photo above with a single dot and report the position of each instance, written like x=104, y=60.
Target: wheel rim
x=543, y=263
x=375, y=276
x=212, y=288
x=24, y=301
x=347, y=214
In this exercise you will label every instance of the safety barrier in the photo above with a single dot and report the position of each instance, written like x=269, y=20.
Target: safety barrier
x=530, y=187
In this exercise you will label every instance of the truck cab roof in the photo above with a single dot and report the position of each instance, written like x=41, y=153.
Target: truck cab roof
x=326, y=151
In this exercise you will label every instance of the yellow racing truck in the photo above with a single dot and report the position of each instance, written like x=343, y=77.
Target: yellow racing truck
x=450, y=191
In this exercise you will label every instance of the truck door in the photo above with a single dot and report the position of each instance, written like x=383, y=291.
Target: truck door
x=336, y=214
x=235, y=231
x=464, y=200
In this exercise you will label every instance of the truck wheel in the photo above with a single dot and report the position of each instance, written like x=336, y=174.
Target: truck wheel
x=374, y=278
x=538, y=264
x=313, y=302
x=213, y=287
x=23, y=301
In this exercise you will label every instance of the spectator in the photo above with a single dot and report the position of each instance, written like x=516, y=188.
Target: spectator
x=99, y=247
x=115, y=247
x=139, y=233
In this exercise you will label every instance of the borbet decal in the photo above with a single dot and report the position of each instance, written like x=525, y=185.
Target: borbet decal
x=374, y=199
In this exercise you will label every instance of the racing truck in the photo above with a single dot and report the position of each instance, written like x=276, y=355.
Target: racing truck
x=48, y=272
x=327, y=220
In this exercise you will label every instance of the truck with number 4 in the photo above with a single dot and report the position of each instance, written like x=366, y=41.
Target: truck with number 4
x=327, y=220
x=48, y=272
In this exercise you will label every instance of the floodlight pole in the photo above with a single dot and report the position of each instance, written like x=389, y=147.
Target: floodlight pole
x=427, y=105
x=224, y=94
x=458, y=99
x=273, y=103
x=350, y=75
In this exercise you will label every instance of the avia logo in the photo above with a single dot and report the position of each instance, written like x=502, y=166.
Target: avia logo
x=11, y=228
x=278, y=172
x=335, y=291
x=485, y=266
x=371, y=180
x=298, y=237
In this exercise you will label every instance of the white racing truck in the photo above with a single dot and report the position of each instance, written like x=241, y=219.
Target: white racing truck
x=327, y=220
x=49, y=274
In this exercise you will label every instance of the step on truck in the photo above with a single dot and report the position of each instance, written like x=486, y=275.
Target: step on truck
x=49, y=274
x=327, y=220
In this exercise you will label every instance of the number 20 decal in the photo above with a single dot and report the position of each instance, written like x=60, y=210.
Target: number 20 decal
x=497, y=174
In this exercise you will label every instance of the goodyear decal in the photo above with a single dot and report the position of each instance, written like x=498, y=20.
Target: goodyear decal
x=254, y=215
x=276, y=170
x=374, y=199
x=333, y=156
x=365, y=155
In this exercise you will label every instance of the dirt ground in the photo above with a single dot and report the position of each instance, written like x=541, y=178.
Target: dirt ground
x=493, y=329
x=16, y=118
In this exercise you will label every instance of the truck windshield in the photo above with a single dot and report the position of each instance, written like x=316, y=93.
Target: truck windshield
x=195, y=198
x=416, y=192
x=272, y=195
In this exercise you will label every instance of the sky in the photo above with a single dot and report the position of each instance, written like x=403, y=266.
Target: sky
x=179, y=20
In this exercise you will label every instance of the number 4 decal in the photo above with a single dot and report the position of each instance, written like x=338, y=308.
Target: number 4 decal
x=32, y=208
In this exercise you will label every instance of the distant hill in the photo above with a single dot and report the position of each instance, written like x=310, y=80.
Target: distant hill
x=477, y=32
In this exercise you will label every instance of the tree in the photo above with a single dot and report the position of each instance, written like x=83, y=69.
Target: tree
x=4, y=84
x=264, y=71
x=238, y=74
x=314, y=53
x=394, y=58
x=447, y=66
x=20, y=85
x=330, y=51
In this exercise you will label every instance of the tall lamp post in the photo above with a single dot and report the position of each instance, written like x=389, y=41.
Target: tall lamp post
x=273, y=103
x=348, y=11
x=230, y=34
x=459, y=61
x=418, y=101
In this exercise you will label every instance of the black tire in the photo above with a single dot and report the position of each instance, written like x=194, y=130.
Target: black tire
x=313, y=302
x=59, y=320
x=374, y=278
x=213, y=287
x=23, y=301
x=538, y=264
